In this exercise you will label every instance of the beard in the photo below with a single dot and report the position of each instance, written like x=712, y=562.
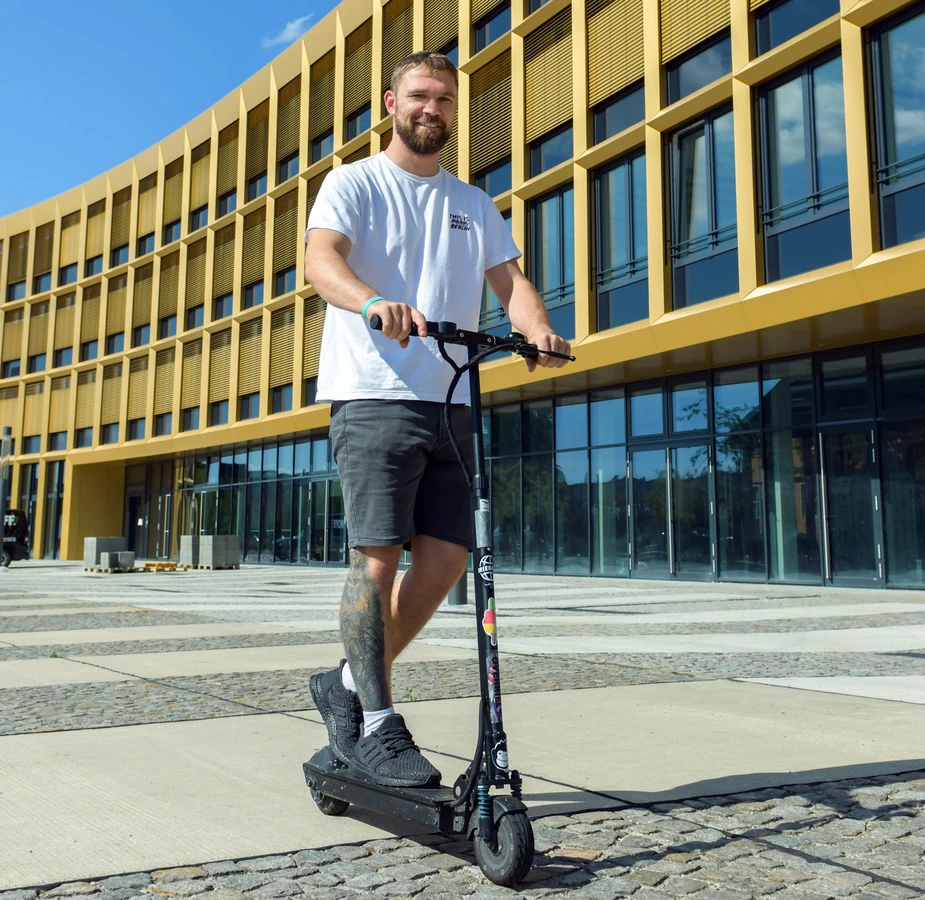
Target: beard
x=425, y=141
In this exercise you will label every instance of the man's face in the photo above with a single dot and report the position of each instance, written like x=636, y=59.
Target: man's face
x=423, y=110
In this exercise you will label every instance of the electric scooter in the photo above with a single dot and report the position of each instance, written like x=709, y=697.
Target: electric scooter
x=497, y=823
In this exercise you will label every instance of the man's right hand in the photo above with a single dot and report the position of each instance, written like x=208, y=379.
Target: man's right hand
x=397, y=319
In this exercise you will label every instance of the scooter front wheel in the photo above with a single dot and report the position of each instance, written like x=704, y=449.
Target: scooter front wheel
x=508, y=861
x=329, y=805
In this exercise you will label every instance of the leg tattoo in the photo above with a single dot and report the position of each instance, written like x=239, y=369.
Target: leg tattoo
x=363, y=633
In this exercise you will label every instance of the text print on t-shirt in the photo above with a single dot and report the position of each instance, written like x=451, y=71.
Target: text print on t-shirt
x=460, y=221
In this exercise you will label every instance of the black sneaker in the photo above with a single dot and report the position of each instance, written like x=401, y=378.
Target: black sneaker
x=389, y=756
x=340, y=710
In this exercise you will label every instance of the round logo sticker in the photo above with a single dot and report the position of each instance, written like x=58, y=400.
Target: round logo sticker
x=487, y=568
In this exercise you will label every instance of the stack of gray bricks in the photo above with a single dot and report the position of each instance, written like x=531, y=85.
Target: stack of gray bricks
x=189, y=550
x=213, y=551
x=123, y=560
x=94, y=547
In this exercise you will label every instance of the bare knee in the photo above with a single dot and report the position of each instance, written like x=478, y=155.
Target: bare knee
x=377, y=563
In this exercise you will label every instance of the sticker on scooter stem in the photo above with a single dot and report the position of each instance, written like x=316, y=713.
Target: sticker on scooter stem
x=494, y=701
x=487, y=568
x=482, y=524
x=499, y=755
x=490, y=624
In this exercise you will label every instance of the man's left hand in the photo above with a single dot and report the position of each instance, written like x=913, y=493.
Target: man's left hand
x=546, y=340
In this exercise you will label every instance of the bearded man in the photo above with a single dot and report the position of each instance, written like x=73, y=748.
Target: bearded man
x=398, y=236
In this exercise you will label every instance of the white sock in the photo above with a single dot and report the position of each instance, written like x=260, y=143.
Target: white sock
x=372, y=720
x=346, y=677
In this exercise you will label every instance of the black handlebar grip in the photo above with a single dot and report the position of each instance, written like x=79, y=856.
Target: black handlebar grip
x=375, y=322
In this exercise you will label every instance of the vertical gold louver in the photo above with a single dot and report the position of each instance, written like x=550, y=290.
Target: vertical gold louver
x=44, y=241
x=34, y=411
x=481, y=8
x=196, y=274
x=19, y=251
x=96, y=221
x=144, y=284
x=441, y=23
x=357, y=67
x=70, y=239
x=121, y=210
x=223, y=262
x=8, y=398
x=615, y=57
x=12, y=335
x=321, y=96
x=386, y=138
x=358, y=154
x=163, y=380
x=112, y=394
x=287, y=118
x=491, y=113
x=449, y=155
x=147, y=204
x=191, y=385
x=255, y=233
x=38, y=328
x=173, y=191
x=314, y=185
x=137, y=387
x=169, y=285
x=219, y=366
x=685, y=24
x=90, y=314
x=59, y=404
x=227, y=159
x=312, y=326
x=282, y=341
x=397, y=37
x=86, y=391
x=548, y=65
x=64, y=321
x=199, y=176
x=249, y=357
x=115, y=309
x=258, y=133
x=754, y=4
x=285, y=228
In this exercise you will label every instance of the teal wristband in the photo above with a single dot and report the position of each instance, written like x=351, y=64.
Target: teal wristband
x=366, y=305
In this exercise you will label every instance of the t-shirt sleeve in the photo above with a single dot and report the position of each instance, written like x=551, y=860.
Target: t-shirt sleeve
x=499, y=242
x=338, y=206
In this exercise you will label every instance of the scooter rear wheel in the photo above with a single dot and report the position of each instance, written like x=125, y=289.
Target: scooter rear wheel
x=508, y=861
x=329, y=805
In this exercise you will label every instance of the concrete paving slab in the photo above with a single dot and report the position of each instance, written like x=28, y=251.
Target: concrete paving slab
x=66, y=611
x=40, y=672
x=901, y=688
x=34, y=601
x=140, y=633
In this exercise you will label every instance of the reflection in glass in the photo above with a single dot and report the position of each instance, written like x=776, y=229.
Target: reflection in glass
x=539, y=550
x=269, y=461
x=690, y=497
x=538, y=426
x=572, y=422
x=694, y=201
x=572, y=511
x=337, y=526
x=787, y=145
x=321, y=455
x=268, y=515
x=303, y=458
x=552, y=256
x=903, y=373
x=608, y=417
x=318, y=520
x=303, y=519
x=608, y=512
x=650, y=514
x=787, y=391
x=735, y=400
x=252, y=542
x=739, y=514
x=505, y=514
x=689, y=407
x=831, y=143
x=224, y=511
x=505, y=430
x=699, y=70
x=284, y=464
x=779, y=22
x=284, y=549
x=646, y=412
x=903, y=473
x=844, y=388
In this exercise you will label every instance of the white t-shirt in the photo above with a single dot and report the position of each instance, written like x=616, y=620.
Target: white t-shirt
x=424, y=241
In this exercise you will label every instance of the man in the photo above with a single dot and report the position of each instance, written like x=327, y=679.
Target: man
x=399, y=237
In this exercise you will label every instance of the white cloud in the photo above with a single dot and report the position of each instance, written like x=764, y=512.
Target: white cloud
x=293, y=30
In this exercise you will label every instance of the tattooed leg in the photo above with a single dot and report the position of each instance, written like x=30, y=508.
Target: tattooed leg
x=364, y=622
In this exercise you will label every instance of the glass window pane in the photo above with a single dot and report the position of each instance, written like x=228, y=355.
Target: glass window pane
x=739, y=513
x=572, y=513
x=904, y=90
x=568, y=244
x=787, y=170
x=614, y=221
x=724, y=183
x=284, y=465
x=254, y=463
x=240, y=466
x=269, y=461
x=505, y=430
x=787, y=392
x=303, y=458
x=694, y=202
x=318, y=521
x=903, y=473
x=903, y=373
x=640, y=226
x=283, y=546
x=829, y=125
x=505, y=514
x=844, y=387
x=321, y=455
x=572, y=422
x=226, y=471
x=690, y=512
x=689, y=406
x=821, y=242
x=781, y=22
x=615, y=116
x=735, y=399
x=608, y=417
x=538, y=426
x=539, y=550
x=700, y=70
x=646, y=412
x=608, y=511
x=337, y=528
x=252, y=545
x=268, y=516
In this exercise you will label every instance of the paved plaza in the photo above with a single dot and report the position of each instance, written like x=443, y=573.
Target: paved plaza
x=712, y=740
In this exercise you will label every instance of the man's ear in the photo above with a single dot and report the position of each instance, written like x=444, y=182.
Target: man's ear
x=389, y=99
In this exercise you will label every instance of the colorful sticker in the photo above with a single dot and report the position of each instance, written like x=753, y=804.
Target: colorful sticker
x=487, y=568
x=494, y=700
x=499, y=755
x=490, y=624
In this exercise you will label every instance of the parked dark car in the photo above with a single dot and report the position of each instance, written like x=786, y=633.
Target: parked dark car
x=15, y=537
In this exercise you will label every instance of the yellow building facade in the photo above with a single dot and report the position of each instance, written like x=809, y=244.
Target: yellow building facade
x=714, y=197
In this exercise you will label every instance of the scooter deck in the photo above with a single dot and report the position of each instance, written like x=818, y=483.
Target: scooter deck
x=428, y=806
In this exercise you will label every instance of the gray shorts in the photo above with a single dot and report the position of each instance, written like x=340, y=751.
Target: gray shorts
x=399, y=473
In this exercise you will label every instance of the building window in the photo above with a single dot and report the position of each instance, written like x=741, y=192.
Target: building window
x=779, y=22
x=64, y=356
x=534, y=5
x=190, y=418
x=163, y=424
x=288, y=168
x=496, y=179
x=309, y=391
x=93, y=266
x=358, y=122
x=451, y=52
x=218, y=413
x=257, y=186
x=703, y=253
x=67, y=274
x=250, y=406
x=899, y=105
x=284, y=281
x=492, y=25
x=115, y=343
x=492, y=318
x=145, y=244
x=227, y=203
x=167, y=327
x=805, y=171
x=622, y=270
x=16, y=291
x=618, y=113
x=110, y=434
x=199, y=218
x=10, y=369
x=552, y=256
x=57, y=441
x=282, y=398
x=36, y=363
x=136, y=429
x=194, y=317
x=141, y=335
x=551, y=149
x=172, y=232
x=119, y=256
x=41, y=283
x=698, y=68
x=89, y=350
x=83, y=437
x=222, y=306
x=323, y=145
x=253, y=294
x=32, y=444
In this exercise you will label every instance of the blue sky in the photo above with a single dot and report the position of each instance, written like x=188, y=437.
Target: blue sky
x=87, y=85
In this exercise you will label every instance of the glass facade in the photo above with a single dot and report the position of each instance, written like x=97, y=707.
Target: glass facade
x=552, y=256
x=702, y=66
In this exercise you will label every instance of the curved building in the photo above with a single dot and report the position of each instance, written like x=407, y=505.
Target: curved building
x=722, y=203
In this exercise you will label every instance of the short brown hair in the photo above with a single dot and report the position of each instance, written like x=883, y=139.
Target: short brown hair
x=424, y=59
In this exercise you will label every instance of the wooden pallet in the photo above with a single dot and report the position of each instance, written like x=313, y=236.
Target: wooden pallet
x=100, y=571
x=208, y=568
x=161, y=566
